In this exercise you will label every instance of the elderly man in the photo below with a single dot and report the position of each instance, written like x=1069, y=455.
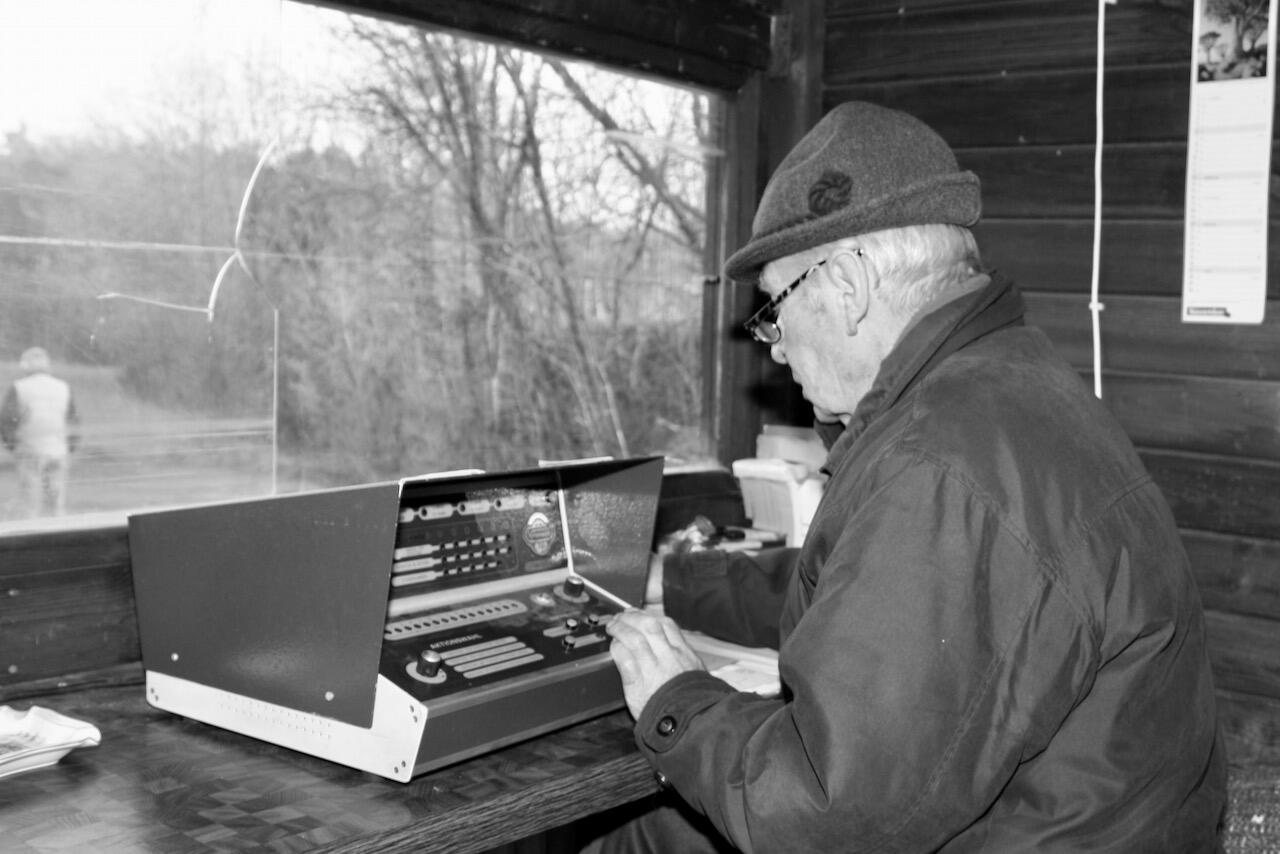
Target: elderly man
x=990, y=639
x=37, y=423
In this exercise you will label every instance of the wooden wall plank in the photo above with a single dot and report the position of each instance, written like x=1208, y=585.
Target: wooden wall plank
x=1230, y=495
x=1239, y=575
x=1251, y=726
x=1145, y=181
x=67, y=604
x=913, y=43
x=1145, y=334
x=57, y=622
x=1057, y=256
x=130, y=673
x=1243, y=652
x=1140, y=104
x=1210, y=415
x=845, y=11
x=1138, y=257
x=71, y=548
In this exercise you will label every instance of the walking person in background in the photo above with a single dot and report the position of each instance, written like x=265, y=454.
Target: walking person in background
x=38, y=425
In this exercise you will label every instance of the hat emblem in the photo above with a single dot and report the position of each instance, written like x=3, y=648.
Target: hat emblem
x=830, y=192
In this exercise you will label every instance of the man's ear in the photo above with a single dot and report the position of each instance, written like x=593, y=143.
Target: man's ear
x=854, y=279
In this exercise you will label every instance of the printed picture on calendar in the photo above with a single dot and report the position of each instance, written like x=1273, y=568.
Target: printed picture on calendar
x=1233, y=39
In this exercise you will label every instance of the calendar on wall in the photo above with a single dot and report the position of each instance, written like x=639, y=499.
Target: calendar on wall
x=1229, y=162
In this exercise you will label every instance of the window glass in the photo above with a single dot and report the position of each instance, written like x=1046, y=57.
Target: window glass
x=270, y=246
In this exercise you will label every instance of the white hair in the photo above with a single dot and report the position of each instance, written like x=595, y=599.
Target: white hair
x=919, y=266
x=34, y=359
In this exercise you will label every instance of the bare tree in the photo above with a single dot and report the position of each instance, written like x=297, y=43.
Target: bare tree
x=1247, y=18
x=498, y=135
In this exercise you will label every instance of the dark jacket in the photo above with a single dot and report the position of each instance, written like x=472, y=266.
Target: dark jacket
x=991, y=639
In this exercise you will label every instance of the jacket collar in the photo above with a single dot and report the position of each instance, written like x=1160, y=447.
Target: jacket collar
x=995, y=305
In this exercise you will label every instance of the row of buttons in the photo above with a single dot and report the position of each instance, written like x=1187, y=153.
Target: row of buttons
x=478, y=506
x=453, y=619
x=409, y=558
x=569, y=628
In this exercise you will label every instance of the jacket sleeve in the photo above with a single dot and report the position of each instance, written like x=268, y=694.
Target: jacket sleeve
x=734, y=596
x=935, y=654
x=10, y=415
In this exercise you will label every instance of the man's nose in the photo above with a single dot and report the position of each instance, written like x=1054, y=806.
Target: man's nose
x=778, y=353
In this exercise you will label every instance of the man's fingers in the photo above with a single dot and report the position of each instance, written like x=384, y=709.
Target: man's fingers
x=648, y=651
x=652, y=639
x=625, y=661
x=630, y=627
x=639, y=621
x=631, y=643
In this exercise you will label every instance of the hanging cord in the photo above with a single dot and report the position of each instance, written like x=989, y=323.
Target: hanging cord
x=236, y=257
x=1095, y=307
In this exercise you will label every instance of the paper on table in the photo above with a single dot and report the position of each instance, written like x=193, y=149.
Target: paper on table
x=40, y=737
x=750, y=669
x=747, y=668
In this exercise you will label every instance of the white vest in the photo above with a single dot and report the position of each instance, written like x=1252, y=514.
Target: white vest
x=44, y=403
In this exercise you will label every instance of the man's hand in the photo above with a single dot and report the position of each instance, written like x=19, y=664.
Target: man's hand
x=648, y=650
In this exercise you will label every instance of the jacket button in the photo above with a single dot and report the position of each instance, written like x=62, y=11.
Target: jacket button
x=663, y=782
x=667, y=725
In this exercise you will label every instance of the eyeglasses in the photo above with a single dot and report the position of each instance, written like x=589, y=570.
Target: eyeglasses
x=763, y=325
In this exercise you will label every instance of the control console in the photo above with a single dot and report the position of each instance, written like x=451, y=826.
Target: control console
x=397, y=627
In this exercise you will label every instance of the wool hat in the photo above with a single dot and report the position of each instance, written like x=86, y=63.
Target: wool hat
x=861, y=168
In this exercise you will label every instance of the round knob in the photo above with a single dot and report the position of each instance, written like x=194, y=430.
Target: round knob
x=573, y=586
x=429, y=662
x=571, y=623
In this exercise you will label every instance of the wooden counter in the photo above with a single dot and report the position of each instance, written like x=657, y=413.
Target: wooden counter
x=159, y=783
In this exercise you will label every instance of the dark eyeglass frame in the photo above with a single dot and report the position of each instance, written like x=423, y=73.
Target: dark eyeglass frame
x=763, y=325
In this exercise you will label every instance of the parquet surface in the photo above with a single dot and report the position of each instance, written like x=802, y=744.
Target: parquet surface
x=164, y=784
